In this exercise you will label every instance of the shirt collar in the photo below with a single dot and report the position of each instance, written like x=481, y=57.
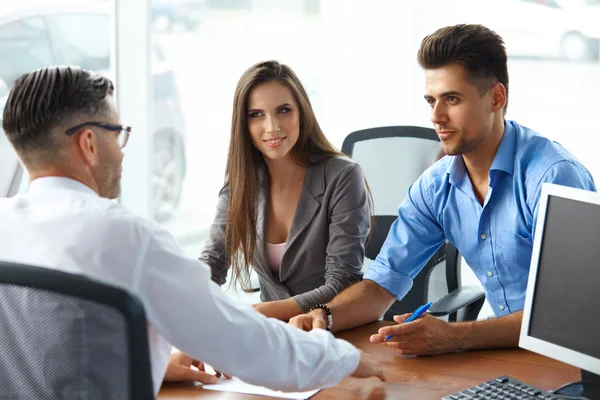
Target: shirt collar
x=41, y=185
x=456, y=169
x=503, y=161
x=505, y=156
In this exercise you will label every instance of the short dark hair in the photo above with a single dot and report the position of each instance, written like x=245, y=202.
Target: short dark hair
x=46, y=99
x=478, y=49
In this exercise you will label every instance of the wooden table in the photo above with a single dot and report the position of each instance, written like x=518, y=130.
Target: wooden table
x=423, y=378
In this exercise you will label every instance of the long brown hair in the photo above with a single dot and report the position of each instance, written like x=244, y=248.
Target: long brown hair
x=244, y=161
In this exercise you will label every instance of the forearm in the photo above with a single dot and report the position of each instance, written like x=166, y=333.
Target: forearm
x=359, y=304
x=492, y=333
x=280, y=309
x=310, y=360
x=334, y=284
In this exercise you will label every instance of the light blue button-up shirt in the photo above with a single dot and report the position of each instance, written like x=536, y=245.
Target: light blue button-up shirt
x=495, y=239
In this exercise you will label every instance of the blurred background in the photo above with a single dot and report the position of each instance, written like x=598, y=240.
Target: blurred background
x=356, y=58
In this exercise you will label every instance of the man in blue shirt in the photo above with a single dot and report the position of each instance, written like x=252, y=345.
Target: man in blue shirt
x=482, y=197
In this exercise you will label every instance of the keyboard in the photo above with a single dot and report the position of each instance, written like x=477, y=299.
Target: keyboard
x=504, y=388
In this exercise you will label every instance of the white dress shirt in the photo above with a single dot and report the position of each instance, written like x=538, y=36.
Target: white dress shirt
x=62, y=224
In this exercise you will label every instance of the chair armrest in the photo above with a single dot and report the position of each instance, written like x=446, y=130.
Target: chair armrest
x=464, y=296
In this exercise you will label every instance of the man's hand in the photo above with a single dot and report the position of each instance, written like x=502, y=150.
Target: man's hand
x=368, y=367
x=180, y=369
x=426, y=335
x=317, y=318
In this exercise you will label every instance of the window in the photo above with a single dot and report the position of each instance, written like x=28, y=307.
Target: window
x=549, y=3
x=85, y=39
x=357, y=61
x=24, y=46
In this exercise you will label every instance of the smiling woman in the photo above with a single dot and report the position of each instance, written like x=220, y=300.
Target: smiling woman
x=293, y=208
x=273, y=120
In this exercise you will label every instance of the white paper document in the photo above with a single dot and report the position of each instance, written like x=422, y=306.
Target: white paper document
x=237, y=386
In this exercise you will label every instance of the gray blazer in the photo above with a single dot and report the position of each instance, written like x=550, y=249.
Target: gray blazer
x=325, y=247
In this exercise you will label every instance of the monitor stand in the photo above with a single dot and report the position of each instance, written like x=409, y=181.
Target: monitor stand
x=588, y=387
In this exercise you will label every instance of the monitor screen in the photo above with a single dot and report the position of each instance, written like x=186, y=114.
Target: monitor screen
x=566, y=291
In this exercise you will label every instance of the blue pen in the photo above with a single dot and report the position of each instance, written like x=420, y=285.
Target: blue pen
x=418, y=312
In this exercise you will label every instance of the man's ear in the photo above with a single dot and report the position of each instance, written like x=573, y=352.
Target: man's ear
x=88, y=145
x=498, y=97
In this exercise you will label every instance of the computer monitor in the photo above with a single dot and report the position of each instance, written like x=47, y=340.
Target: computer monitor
x=561, y=318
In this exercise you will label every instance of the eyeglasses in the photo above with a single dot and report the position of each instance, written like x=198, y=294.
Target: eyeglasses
x=123, y=130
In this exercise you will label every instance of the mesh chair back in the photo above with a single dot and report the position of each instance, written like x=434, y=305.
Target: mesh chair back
x=392, y=159
x=65, y=336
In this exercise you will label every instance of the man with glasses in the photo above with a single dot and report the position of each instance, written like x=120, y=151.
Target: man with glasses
x=112, y=185
x=64, y=124
x=122, y=131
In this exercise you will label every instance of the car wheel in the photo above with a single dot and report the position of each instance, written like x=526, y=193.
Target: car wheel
x=576, y=47
x=169, y=173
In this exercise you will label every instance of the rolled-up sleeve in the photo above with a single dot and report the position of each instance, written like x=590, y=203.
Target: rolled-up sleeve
x=412, y=240
x=213, y=252
x=350, y=223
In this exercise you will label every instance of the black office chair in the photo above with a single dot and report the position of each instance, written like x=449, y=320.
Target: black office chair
x=65, y=336
x=392, y=158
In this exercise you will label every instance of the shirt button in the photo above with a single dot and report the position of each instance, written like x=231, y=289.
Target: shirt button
x=483, y=236
x=490, y=273
x=501, y=307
